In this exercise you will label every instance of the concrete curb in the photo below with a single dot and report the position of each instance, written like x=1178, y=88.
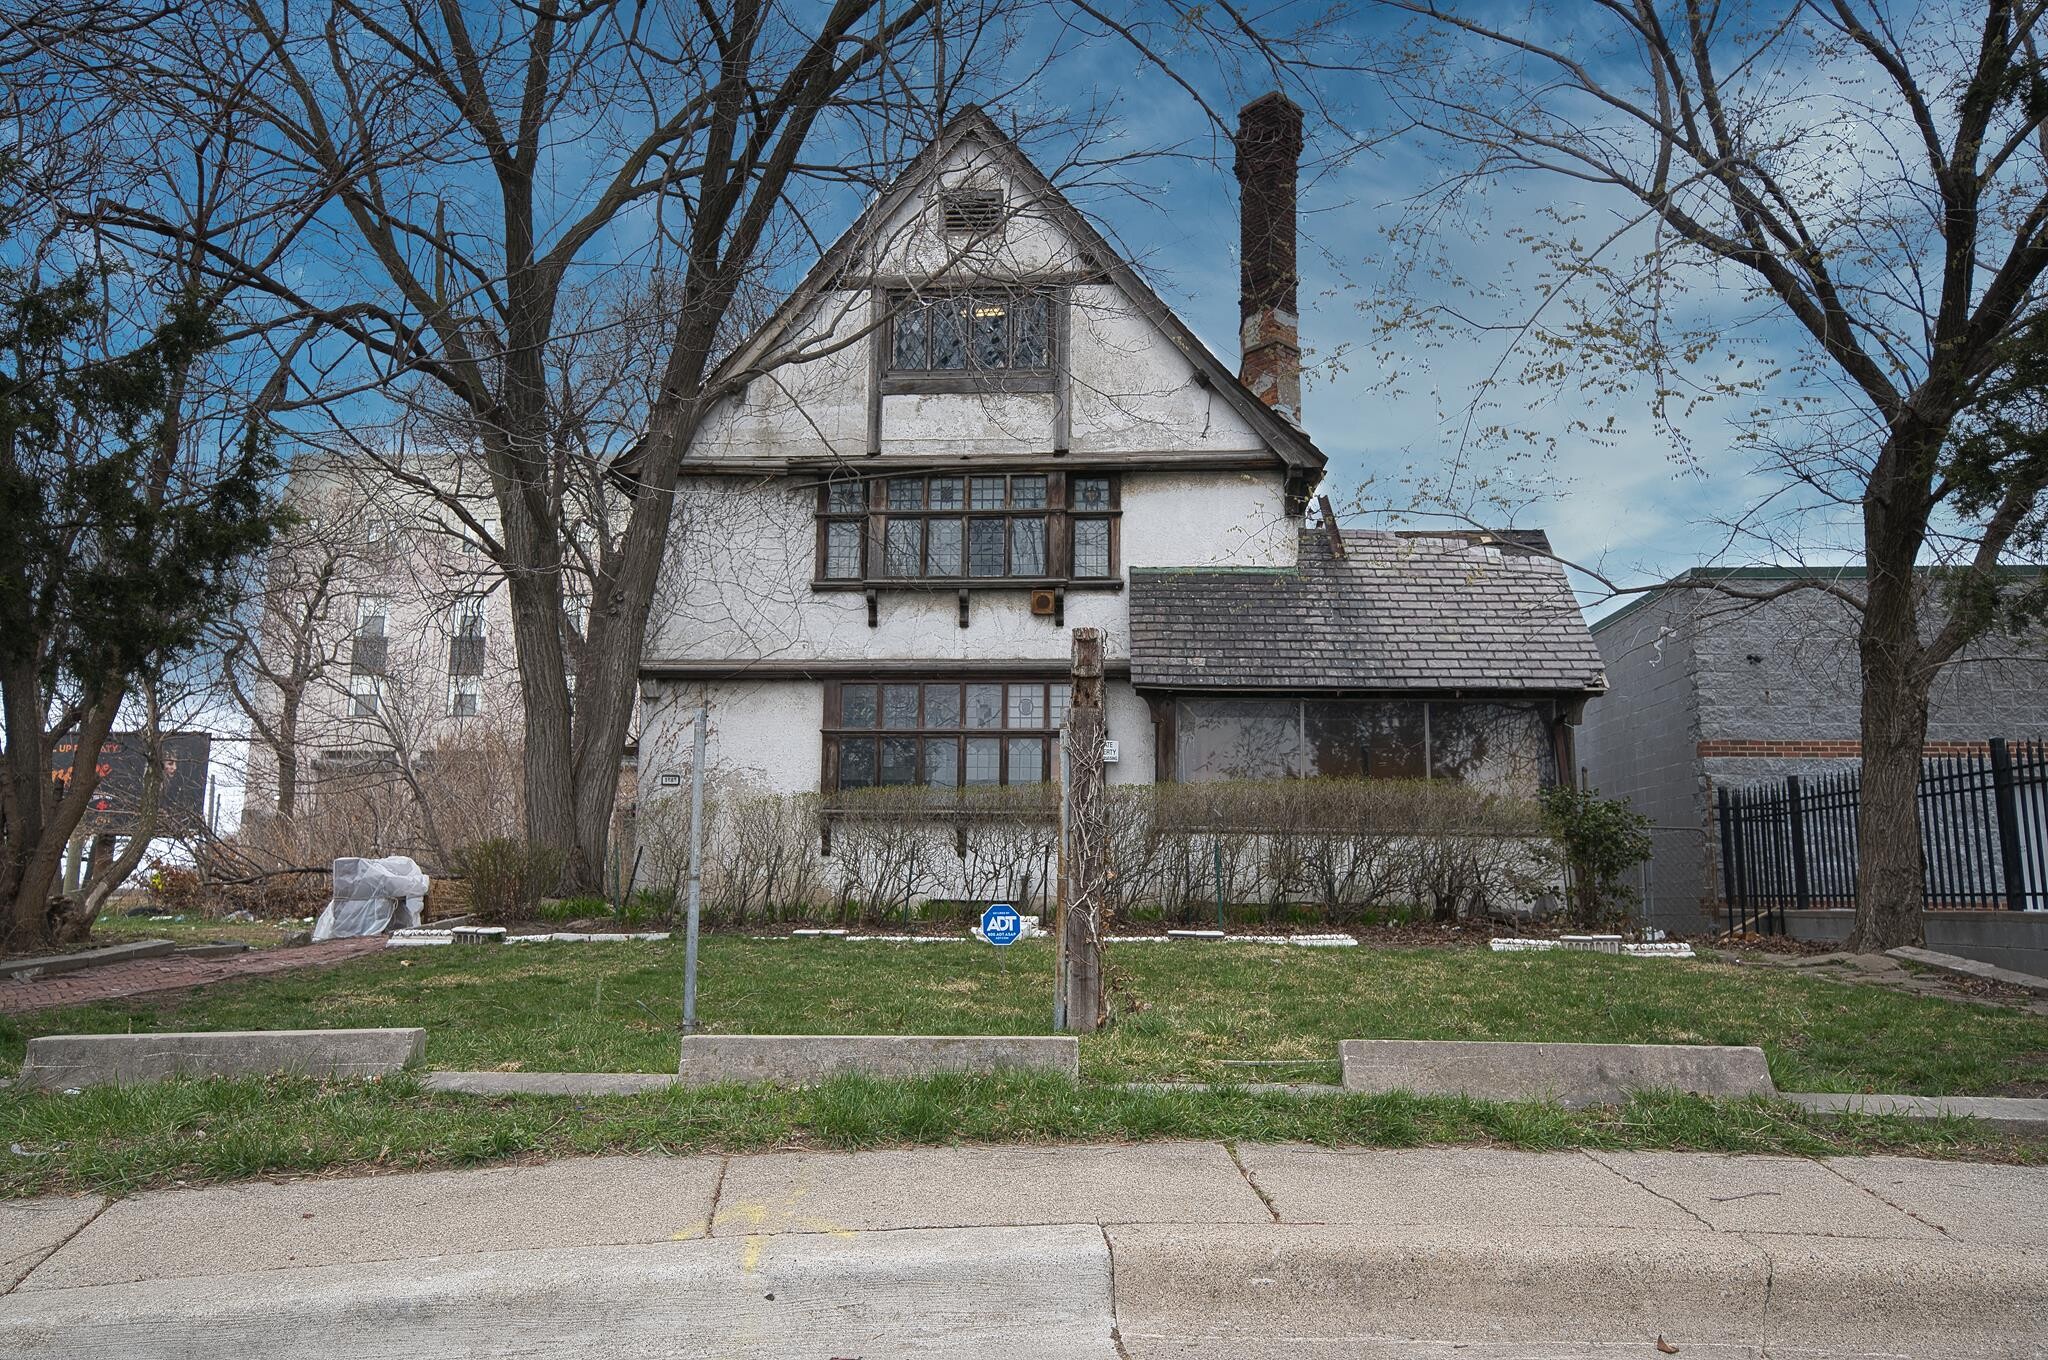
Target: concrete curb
x=549, y=1083
x=2012, y=1113
x=799, y=1058
x=63, y=1061
x=51, y=965
x=1952, y=963
x=1310, y=1291
x=1027, y=1293
x=1572, y=1074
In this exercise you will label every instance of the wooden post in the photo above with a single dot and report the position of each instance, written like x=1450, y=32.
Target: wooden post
x=1084, y=854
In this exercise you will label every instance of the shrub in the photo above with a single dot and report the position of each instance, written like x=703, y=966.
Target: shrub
x=1599, y=840
x=762, y=855
x=888, y=844
x=507, y=878
x=175, y=890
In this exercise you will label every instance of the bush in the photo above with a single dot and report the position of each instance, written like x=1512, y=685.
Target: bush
x=1599, y=840
x=175, y=890
x=1333, y=851
x=1345, y=847
x=507, y=878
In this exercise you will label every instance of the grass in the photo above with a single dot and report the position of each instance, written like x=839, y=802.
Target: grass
x=119, y=1140
x=190, y=930
x=1185, y=1012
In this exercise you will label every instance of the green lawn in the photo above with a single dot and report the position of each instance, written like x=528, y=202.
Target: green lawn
x=1201, y=1012
x=190, y=930
x=1185, y=1011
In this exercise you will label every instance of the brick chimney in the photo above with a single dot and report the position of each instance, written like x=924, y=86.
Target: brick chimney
x=1268, y=154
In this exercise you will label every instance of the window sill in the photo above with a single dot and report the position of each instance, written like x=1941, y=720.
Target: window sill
x=970, y=382
x=1110, y=584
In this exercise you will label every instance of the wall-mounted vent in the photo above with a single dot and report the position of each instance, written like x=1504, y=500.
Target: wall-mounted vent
x=971, y=212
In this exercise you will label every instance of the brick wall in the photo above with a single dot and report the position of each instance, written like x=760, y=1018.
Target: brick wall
x=1706, y=691
x=1828, y=749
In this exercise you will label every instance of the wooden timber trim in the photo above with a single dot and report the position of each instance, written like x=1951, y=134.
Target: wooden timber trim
x=939, y=585
x=966, y=383
x=927, y=669
x=1145, y=460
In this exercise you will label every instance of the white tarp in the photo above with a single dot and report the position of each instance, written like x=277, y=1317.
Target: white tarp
x=370, y=896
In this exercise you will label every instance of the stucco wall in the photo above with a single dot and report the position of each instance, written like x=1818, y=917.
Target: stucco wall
x=737, y=587
x=763, y=735
x=1132, y=390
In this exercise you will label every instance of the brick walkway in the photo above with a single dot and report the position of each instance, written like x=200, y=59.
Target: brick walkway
x=168, y=973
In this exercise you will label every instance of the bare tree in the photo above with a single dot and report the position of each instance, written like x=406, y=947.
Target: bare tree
x=478, y=165
x=133, y=464
x=1861, y=186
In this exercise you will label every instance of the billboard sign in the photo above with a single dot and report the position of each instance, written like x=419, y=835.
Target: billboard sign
x=117, y=799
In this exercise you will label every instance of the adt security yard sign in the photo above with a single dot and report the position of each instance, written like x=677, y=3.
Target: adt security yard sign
x=1001, y=925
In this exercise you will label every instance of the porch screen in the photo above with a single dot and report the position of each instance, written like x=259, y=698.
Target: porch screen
x=1505, y=745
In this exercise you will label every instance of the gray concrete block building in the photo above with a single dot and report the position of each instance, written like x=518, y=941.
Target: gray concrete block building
x=1707, y=690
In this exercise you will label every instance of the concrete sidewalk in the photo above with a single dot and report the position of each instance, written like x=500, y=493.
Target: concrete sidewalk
x=1192, y=1251
x=167, y=973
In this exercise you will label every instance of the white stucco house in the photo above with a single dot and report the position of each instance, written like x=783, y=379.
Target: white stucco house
x=973, y=428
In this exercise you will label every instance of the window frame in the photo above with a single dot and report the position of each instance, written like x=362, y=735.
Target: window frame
x=358, y=683
x=834, y=732
x=898, y=303
x=1058, y=513
x=465, y=687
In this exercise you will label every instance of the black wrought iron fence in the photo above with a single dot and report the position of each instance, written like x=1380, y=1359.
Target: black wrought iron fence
x=1791, y=845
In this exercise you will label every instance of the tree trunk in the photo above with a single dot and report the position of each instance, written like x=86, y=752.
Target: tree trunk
x=288, y=755
x=35, y=846
x=1891, y=860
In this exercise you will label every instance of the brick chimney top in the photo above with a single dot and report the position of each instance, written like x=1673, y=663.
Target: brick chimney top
x=1269, y=146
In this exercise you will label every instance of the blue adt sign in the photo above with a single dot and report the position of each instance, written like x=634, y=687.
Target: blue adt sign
x=1001, y=924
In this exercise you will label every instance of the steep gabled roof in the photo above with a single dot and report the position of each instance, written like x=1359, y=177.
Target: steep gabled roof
x=1396, y=612
x=1287, y=441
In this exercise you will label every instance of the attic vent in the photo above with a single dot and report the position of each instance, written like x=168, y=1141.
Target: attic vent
x=971, y=212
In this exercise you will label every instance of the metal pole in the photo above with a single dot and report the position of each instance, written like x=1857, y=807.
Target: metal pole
x=2003, y=793
x=1802, y=892
x=1216, y=847
x=696, y=870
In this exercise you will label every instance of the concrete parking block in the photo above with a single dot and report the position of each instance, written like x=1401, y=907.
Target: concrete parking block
x=1979, y=1203
x=1309, y=1285
x=1018, y=1293
x=1571, y=1074
x=58, y=1062
x=50, y=965
x=838, y=1191
x=1432, y=1185
x=31, y=1229
x=1765, y=1194
x=293, y=1225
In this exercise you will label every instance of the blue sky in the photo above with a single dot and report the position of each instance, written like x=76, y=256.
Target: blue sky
x=1623, y=503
